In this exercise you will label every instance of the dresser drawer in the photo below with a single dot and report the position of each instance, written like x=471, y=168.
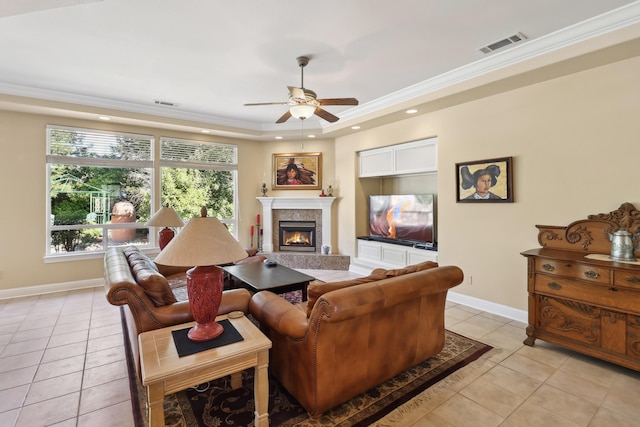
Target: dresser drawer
x=617, y=298
x=627, y=279
x=573, y=269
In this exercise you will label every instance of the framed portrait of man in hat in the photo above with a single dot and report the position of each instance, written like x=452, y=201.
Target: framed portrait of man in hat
x=485, y=181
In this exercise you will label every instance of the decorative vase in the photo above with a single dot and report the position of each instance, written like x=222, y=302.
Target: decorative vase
x=204, y=287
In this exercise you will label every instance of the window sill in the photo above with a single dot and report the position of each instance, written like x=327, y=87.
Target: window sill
x=72, y=257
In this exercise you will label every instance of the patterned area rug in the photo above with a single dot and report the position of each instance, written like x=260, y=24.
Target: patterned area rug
x=216, y=404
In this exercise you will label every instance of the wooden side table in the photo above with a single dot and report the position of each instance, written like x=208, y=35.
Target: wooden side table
x=163, y=372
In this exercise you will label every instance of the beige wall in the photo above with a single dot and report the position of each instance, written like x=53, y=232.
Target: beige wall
x=574, y=140
x=23, y=178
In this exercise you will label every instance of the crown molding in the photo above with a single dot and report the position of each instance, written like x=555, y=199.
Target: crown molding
x=84, y=100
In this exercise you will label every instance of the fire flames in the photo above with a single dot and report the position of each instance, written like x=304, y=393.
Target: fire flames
x=297, y=238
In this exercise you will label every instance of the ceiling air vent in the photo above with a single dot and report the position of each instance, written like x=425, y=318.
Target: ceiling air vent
x=165, y=103
x=516, y=38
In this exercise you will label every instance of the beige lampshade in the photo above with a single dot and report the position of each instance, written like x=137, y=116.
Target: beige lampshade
x=165, y=217
x=203, y=241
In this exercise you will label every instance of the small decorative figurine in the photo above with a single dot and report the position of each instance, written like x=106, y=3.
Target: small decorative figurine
x=330, y=191
x=323, y=194
x=263, y=189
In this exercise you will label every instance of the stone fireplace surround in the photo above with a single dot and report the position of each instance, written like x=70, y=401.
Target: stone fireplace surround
x=318, y=209
x=295, y=208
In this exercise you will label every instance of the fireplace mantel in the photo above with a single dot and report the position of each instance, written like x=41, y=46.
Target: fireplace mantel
x=270, y=203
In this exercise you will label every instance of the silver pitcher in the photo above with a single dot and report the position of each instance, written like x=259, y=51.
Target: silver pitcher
x=622, y=245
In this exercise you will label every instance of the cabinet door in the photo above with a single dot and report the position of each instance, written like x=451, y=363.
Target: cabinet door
x=394, y=255
x=633, y=336
x=369, y=250
x=569, y=319
x=416, y=157
x=377, y=162
x=614, y=331
x=417, y=256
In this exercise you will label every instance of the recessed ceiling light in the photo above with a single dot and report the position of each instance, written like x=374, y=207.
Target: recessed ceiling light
x=105, y=118
x=355, y=127
x=278, y=137
x=412, y=111
x=205, y=131
x=311, y=136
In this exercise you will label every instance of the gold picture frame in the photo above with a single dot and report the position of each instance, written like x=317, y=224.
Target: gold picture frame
x=297, y=171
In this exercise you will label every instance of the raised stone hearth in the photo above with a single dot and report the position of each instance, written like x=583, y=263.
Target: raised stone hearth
x=310, y=261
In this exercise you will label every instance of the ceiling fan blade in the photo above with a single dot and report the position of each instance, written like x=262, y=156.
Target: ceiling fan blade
x=338, y=101
x=326, y=115
x=265, y=103
x=286, y=116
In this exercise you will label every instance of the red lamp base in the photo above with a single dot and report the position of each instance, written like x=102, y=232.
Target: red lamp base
x=165, y=236
x=204, y=287
x=205, y=331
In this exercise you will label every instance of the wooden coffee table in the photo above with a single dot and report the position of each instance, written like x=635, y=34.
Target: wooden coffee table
x=164, y=372
x=258, y=277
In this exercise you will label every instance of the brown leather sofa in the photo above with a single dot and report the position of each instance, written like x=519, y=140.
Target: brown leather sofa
x=356, y=334
x=150, y=299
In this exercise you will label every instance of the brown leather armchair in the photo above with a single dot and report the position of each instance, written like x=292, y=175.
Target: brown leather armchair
x=357, y=336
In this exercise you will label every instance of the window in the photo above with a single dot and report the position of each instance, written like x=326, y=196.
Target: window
x=196, y=174
x=99, y=185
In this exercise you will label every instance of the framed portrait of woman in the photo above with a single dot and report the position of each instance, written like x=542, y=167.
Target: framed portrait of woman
x=297, y=171
x=485, y=181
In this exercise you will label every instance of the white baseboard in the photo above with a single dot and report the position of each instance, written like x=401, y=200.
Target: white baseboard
x=28, y=291
x=489, y=307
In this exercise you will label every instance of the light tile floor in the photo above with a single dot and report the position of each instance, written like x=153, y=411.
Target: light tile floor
x=62, y=364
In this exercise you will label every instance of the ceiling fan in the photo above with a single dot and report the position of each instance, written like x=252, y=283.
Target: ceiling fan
x=304, y=102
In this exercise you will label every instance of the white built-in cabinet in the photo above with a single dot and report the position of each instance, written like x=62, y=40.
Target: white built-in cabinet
x=401, y=159
x=417, y=157
x=373, y=255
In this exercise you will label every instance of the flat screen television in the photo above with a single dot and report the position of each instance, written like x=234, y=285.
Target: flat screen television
x=402, y=218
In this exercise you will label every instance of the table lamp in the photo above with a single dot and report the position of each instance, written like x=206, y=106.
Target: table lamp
x=203, y=242
x=166, y=217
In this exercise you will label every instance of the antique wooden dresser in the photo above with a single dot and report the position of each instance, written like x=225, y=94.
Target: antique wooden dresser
x=581, y=299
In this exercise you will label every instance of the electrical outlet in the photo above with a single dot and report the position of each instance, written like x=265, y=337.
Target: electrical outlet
x=469, y=280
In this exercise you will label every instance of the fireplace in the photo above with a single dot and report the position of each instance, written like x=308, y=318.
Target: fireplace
x=297, y=236
x=275, y=209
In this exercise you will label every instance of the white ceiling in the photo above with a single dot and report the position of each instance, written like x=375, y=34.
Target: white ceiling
x=211, y=56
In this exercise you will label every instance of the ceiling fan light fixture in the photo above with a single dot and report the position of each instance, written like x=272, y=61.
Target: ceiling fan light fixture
x=304, y=103
x=302, y=111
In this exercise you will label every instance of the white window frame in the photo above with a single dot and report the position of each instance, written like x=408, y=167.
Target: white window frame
x=93, y=162
x=183, y=160
x=155, y=164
